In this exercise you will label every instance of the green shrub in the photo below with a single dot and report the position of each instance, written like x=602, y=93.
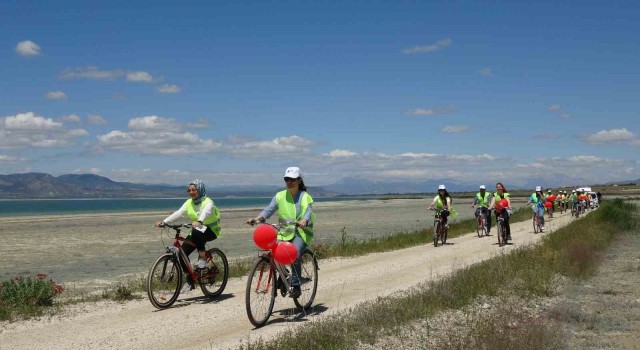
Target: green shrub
x=27, y=296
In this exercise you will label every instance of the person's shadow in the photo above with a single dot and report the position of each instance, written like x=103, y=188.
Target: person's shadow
x=294, y=314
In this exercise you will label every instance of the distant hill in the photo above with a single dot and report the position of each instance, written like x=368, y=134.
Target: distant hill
x=46, y=186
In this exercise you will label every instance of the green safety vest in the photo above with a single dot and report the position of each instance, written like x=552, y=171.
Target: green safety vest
x=483, y=202
x=497, y=196
x=287, y=216
x=213, y=221
x=535, y=197
x=439, y=203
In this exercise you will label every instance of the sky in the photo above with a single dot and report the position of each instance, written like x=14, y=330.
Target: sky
x=235, y=92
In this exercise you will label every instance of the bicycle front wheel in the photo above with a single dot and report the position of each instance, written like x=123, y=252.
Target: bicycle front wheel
x=213, y=281
x=479, y=227
x=500, y=238
x=164, y=281
x=261, y=292
x=436, y=231
x=308, y=280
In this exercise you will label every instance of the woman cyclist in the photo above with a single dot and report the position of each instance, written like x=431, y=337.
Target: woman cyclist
x=500, y=194
x=293, y=206
x=205, y=224
x=442, y=201
x=537, y=200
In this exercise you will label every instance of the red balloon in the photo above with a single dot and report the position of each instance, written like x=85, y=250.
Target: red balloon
x=503, y=203
x=548, y=204
x=552, y=197
x=285, y=253
x=264, y=236
x=581, y=197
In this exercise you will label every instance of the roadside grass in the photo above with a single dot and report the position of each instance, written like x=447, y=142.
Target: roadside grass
x=527, y=272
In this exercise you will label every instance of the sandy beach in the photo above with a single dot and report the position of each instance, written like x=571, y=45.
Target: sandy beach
x=96, y=250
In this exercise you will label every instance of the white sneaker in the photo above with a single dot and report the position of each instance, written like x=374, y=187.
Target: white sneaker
x=186, y=287
x=201, y=264
x=542, y=228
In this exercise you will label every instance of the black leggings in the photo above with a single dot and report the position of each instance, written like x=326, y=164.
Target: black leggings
x=197, y=240
x=505, y=216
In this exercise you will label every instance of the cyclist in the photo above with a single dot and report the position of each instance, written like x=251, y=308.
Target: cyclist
x=537, y=201
x=294, y=205
x=482, y=200
x=575, y=204
x=442, y=201
x=500, y=194
x=205, y=224
x=551, y=209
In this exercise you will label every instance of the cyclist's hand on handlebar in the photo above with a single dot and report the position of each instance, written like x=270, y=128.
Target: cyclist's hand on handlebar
x=159, y=223
x=302, y=223
x=255, y=220
x=196, y=224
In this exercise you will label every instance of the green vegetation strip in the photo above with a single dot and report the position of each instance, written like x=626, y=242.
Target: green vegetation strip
x=527, y=272
x=349, y=247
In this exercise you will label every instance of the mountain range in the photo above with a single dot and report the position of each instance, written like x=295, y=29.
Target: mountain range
x=41, y=185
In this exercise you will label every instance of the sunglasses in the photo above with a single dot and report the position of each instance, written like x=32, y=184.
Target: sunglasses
x=289, y=179
x=192, y=190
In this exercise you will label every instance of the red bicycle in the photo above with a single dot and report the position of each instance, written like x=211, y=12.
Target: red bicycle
x=267, y=277
x=481, y=222
x=166, y=276
x=440, y=230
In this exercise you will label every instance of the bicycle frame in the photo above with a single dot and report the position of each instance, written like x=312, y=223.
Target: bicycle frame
x=184, y=260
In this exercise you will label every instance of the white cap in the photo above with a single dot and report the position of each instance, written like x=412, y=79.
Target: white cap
x=574, y=191
x=293, y=172
x=548, y=190
x=482, y=187
x=441, y=187
x=538, y=188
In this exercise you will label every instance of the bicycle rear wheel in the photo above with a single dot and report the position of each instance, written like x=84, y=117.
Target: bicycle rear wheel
x=164, y=281
x=443, y=234
x=261, y=292
x=308, y=280
x=213, y=281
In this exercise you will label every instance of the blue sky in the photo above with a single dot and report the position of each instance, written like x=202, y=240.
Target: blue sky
x=233, y=93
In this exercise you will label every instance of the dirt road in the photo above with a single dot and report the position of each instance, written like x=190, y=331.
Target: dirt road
x=195, y=322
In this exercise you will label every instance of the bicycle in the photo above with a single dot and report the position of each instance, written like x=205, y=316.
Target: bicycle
x=481, y=222
x=165, y=276
x=502, y=230
x=440, y=230
x=536, y=221
x=268, y=276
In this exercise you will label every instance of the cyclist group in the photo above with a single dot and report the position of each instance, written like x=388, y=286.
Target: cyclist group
x=295, y=214
x=296, y=217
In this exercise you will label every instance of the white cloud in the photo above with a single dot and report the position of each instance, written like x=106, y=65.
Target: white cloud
x=31, y=130
x=30, y=121
x=96, y=119
x=90, y=72
x=154, y=123
x=341, y=153
x=139, y=77
x=169, y=89
x=487, y=72
x=279, y=147
x=55, y=95
x=430, y=111
x=554, y=108
x=11, y=159
x=27, y=48
x=201, y=123
x=455, y=129
x=166, y=143
x=438, y=45
x=565, y=115
x=613, y=135
x=72, y=118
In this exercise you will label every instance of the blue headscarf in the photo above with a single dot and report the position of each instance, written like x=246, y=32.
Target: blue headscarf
x=201, y=191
